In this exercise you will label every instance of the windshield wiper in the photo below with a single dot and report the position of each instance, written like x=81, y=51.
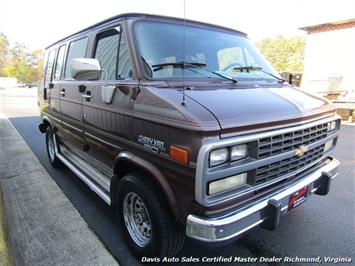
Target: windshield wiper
x=224, y=76
x=182, y=65
x=185, y=65
x=256, y=68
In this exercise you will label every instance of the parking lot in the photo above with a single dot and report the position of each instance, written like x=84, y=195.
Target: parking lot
x=324, y=226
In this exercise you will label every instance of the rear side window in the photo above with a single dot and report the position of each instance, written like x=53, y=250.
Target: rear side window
x=106, y=52
x=77, y=49
x=49, y=68
x=59, y=63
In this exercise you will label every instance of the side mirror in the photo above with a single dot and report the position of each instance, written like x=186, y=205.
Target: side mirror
x=85, y=68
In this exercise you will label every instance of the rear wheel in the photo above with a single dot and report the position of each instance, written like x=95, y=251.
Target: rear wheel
x=146, y=220
x=51, y=148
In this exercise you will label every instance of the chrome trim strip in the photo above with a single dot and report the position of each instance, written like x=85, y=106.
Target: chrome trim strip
x=72, y=127
x=92, y=186
x=202, y=159
x=101, y=140
x=100, y=178
x=60, y=121
x=56, y=119
x=200, y=225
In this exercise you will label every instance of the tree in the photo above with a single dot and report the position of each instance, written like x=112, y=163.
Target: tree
x=4, y=48
x=285, y=54
x=19, y=62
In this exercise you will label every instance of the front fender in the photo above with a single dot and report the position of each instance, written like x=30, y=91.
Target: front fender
x=146, y=166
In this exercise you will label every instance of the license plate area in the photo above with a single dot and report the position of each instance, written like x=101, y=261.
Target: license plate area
x=298, y=198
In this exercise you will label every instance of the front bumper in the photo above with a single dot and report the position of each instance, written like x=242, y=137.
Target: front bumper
x=265, y=212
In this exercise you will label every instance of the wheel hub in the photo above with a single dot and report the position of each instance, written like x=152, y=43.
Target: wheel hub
x=51, y=147
x=137, y=219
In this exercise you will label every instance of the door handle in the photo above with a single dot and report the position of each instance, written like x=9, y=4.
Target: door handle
x=62, y=92
x=87, y=96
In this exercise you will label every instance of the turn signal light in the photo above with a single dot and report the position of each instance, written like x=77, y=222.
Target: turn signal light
x=179, y=154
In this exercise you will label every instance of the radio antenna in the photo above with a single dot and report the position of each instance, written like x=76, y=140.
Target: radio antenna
x=183, y=102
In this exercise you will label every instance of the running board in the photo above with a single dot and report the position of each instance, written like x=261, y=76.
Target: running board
x=85, y=178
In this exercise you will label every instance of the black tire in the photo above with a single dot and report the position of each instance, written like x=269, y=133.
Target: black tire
x=52, y=157
x=167, y=235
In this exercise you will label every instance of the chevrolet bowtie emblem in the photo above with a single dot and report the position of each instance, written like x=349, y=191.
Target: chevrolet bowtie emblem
x=301, y=150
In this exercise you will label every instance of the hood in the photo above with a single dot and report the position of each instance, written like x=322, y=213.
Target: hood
x=246, y=107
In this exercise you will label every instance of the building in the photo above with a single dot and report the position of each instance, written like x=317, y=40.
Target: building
x=329, y=65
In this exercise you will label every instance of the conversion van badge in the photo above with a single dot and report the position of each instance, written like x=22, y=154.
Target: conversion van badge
x=151, y=144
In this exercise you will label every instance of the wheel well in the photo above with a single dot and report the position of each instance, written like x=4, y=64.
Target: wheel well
x=42, y=127
x=122, y=168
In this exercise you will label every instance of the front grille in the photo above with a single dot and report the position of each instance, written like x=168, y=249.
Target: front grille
x=271, y=171
x=278, y=144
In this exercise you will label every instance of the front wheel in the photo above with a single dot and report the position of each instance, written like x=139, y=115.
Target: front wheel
x=146, y=220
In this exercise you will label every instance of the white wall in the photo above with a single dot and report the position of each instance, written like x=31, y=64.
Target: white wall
x=330, y=56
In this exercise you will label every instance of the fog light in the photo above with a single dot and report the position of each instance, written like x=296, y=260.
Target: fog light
x=227, y=183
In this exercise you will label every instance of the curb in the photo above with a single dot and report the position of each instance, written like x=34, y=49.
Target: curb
x=5, y=251
x=43, y=226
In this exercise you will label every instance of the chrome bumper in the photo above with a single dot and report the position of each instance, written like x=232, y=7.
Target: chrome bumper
x=265, y=212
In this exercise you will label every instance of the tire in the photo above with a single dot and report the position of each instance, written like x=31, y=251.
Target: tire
x=50, y=146
x=161, y=235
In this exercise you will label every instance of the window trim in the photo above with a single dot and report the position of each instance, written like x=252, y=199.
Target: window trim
x=54, y=50
x=120, y=32
x=63, y=62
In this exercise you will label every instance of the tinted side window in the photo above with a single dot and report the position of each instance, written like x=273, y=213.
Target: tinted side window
x=106, y=52
x=49, y=68
x=59, y=63
x=124, y=62
x=77, y=49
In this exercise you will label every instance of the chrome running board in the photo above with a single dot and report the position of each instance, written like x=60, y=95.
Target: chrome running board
x=86, y=173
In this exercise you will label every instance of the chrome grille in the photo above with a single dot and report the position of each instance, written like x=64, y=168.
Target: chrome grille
x=277, y=144
x=271, y=171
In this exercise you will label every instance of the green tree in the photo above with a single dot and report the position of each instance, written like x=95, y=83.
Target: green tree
x=285, y=54
x=22, y=64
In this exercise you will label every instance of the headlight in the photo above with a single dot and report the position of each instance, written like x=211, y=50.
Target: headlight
x=227, y=183
x=332, y=125
x=218, y=157
x=239, y=152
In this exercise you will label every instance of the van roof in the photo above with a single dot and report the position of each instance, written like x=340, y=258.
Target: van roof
x=140, y=15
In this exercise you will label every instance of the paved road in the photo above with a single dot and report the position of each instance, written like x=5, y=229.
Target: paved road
x=324, y=226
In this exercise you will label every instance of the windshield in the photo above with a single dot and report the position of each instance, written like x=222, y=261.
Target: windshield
x=163, y=53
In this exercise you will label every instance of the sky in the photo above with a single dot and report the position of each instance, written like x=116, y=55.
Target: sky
x=38, y=23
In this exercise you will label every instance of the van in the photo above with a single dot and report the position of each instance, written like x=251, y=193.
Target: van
x=184, y=129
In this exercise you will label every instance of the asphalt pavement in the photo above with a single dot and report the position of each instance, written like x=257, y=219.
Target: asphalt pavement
x=324, y=226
